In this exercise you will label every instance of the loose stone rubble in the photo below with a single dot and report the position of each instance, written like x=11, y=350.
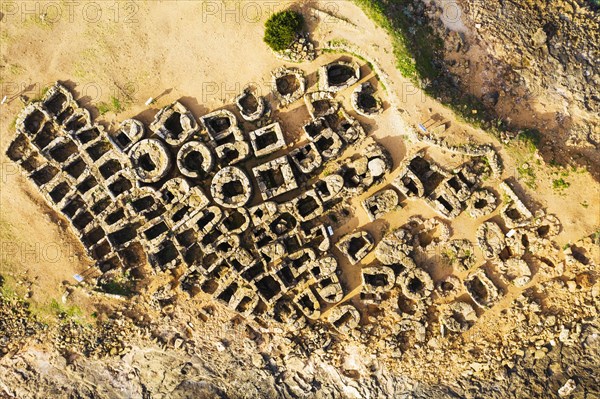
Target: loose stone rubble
x=300, y=50
x=381, y=203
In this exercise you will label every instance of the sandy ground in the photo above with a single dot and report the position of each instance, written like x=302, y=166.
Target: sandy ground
x=203, y=53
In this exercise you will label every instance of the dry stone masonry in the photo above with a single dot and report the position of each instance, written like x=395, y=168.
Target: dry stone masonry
x=252, y=220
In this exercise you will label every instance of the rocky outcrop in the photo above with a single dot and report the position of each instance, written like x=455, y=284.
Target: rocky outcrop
x=540, y=62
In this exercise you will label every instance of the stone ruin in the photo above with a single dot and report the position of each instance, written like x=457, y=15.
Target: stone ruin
x=364, y=102
x=447, y=193
x=381, y=203
x=231, y=188
x=130, y=132
x=481, y=289
x=174, y=124
x=195, y=160
x=288, y=85
x=243, y=216
x=252, y=107
x=338, y=75
x=320, y=104
x=482, y=203
x=275, y=177
x=267, y=140
x=182, y=198
x=150, y=159
x=356, y=245
x=225, y=137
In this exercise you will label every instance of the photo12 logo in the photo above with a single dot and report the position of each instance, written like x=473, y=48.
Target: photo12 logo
x=53, y=12
x=256, y=11
x=215, y=91
x=238, y=11
x=37, y=252
x=86, y=92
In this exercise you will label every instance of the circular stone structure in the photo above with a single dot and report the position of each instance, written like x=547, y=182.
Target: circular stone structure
x=151, y=160
x=416, y=284
x=231, y=187
x=194, y=159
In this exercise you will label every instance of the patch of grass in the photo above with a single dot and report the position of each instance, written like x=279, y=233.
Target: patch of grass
x=450, y=256
x=121, y=285
x=6, y=231
x=103, y=108
x=114, y=105
x=44, y=310
x=530, y=138
x=585, y=204
x=7, y=291
x=527, y=174
x=64, y=311
x=5, y=37
x=41, y=94
x=403, y=48
x=282, y=28
x=15, y=69
x=418, y=51
x=596, y=236
x=383, y=86
x=13, y=124
x=86, y=62
x=38, y=20
x=560, y=184
x=116, y=288
x=329, y=169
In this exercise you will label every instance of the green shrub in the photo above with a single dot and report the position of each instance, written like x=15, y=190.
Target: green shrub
x=281, y=29
x=560, y=184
